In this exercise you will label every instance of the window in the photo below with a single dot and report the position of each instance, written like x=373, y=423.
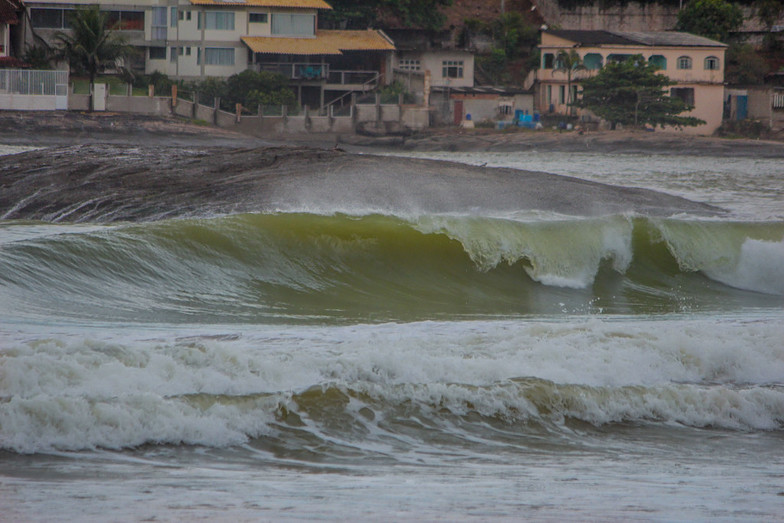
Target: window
x=183, y=15
x=409, y=65
x=561, y=94
x=50, y=18
x=452, y=69
x=174, y=17
x=618, y=58
x=159, y=23
x=683, y=93
x=216, y=56
x=658, y=61
x=217, y=21
x=293, y=25
x=258, y=18
x=548, y=61
x=593, y=61
x=157, y=53
x=684, y=62
x=712, y=63
x=126, y=20
x=173, y=53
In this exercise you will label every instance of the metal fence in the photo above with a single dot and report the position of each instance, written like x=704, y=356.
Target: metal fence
x=778, y=100
x=23, y=81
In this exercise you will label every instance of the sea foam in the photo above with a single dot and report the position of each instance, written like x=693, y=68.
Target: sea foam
x=223, y=390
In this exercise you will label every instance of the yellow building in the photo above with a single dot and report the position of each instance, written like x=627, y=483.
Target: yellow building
x=694, y=62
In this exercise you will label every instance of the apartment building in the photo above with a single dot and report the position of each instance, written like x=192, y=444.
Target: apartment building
x=694, y=62
x=194, y=39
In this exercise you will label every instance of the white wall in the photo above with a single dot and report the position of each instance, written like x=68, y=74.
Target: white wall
x=24, y=102
x=433, y=61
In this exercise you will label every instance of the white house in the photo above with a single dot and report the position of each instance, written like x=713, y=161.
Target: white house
x=194, y=39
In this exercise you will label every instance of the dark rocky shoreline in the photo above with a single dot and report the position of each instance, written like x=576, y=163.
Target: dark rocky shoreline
x=109, y=183
x=106, y=168
x=46, y=129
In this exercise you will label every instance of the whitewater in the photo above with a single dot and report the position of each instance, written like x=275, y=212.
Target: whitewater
x=342, y=359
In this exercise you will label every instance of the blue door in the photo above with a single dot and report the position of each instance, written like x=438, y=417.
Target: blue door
x=743, y=106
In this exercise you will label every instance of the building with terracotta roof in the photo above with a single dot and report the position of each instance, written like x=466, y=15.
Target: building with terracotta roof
x=694, y=62
x=196, y=39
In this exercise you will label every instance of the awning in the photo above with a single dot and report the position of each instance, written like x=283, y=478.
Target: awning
x=325, y=43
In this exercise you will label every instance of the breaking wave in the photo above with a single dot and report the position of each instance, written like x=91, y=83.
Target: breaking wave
x=367, y=385
x=304, y=267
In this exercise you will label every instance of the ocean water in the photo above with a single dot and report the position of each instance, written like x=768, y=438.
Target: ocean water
x=350, y=366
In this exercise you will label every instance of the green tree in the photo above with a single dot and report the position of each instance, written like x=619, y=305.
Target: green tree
x=251, y=88
x=744, y=66
x=513, y=34
x=38, y=56
x=714, y=19
x=633, y=93
x=769, y=12
x=424, y=14
x=90, y=45
x=208, y=89
x=359, y=14
x=494, y=65
x=350, y=14
x=569, y=63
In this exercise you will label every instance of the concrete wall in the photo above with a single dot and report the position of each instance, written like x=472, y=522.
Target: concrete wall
x=78, y=102
x=760, y=107
x=156, y=105
x=281, y=125
x=224, y=119
x=27, y=102
x=630, y=16
x=415, y=117
x=185, y=109
x=414, y=82
x=633, y=16
x=708, y=106
x=205, y=113
x=760, y=104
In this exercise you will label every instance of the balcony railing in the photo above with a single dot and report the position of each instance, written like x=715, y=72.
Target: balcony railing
x=352, y=77
x=296, y=71
x=310, y=71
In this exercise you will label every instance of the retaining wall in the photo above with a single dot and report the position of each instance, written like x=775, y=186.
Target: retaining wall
x=27, y=102
x=155, y=105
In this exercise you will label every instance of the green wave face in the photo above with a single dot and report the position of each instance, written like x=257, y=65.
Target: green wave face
x=253, y=268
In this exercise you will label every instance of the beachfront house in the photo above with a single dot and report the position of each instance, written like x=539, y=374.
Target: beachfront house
x=195, y=39
x=694, y=62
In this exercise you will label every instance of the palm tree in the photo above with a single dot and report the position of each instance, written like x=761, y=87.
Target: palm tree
x=569, y=63
x=91, y=44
